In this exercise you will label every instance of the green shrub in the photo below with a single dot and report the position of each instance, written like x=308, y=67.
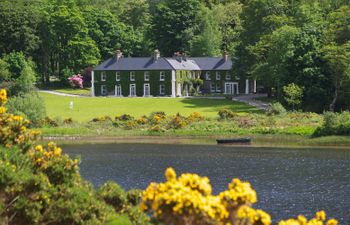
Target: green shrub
x=48, y=122
x=101, y=119
x=124, y=117
x=68, y=121
x=30, y=105
x=177, y=122
x=161, y=114
x=334, y=124
x=226, y=114
x=134, y=196
x=275, y=109
x=113, y=195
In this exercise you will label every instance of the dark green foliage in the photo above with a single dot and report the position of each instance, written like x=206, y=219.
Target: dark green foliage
x=30, y=105
x=113, y=195
x=334, y=124
x=134, y=196
x=173, y=23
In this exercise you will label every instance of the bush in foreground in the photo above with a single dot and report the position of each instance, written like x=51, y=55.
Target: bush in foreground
x=40, y=185
x=188, y=200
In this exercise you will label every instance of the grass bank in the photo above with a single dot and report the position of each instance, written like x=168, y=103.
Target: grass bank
x=85, y=109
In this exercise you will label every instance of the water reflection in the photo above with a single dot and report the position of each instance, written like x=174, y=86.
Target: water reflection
x=288, y=181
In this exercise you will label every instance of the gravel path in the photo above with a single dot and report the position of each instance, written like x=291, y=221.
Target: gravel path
x=250, y=99
x=62, y=94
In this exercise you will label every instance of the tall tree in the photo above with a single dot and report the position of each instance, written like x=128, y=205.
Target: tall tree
x=173, y=24
x=208, y=40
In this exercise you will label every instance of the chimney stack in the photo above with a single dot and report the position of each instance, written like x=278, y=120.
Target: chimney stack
x=225, y=56
x=118, y=54
x=178, y=56
x=184, y=56
x=156, y=55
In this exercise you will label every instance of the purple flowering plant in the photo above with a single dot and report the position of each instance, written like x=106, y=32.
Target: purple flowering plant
x=76, y=80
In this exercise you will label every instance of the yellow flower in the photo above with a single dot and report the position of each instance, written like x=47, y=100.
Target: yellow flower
x=2, y=109
x=332, y=222
x=170, y=174
x=57, y=152
x=39, y=148
x=3, y=96
x=321, y=215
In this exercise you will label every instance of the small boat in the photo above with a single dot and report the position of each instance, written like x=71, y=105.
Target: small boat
x=234, y=141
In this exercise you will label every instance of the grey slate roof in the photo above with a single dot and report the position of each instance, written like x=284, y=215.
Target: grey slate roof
x=134, y=63
x=183, y=65
x=148, y=63
x=213, y=63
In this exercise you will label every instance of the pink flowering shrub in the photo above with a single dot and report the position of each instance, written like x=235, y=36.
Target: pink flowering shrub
x=76, y=80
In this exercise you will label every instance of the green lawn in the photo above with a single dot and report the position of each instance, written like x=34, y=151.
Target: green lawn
x=87, y=108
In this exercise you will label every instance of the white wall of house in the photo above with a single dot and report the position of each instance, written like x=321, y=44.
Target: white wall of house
x=92, y=84
x=173, y=83
x=247, y=86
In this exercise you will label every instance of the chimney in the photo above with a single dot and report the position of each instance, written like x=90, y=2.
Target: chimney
x=225, y=56
x=156, y=55
x=178, y=56
x=118, y=54
x=184, y=56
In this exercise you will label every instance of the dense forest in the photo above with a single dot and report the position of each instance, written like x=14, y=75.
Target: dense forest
x=305, y=43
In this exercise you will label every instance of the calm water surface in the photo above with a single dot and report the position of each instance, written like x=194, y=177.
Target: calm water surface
x=288, y=182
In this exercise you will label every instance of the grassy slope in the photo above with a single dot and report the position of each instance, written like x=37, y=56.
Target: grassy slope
x=87, y=108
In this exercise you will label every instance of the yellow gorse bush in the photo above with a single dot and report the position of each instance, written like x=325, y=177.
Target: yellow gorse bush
x=13, y=129
x=188, y=200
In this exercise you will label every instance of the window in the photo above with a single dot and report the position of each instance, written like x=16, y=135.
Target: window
x=228, y=76
x=146, y=76
x=117, y=76
x=212, y=87
x=218, y=76
x=132, y=76
x=103, y=76
x=162, y=89
x=162, y=76
x=218, y=88
x=103, y=90
x=207, y=75
x=118, y=90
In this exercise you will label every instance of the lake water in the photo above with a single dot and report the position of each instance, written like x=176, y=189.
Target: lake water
x=288, y=182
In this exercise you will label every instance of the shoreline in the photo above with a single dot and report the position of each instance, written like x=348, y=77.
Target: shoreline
x=273, y=141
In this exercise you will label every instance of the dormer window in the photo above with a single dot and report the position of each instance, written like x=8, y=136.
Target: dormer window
x=132, y=76
x=117, y=76
x=103, y=76
x=207, y=75
x=162, y=76
x=228, y=76
x=146, y=76
x=218, y=76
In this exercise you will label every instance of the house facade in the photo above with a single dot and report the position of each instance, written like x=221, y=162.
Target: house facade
x=157, y=76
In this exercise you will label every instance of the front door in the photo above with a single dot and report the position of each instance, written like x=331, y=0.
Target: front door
x=132, y=90
x=231, y=88
x=146, y=90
